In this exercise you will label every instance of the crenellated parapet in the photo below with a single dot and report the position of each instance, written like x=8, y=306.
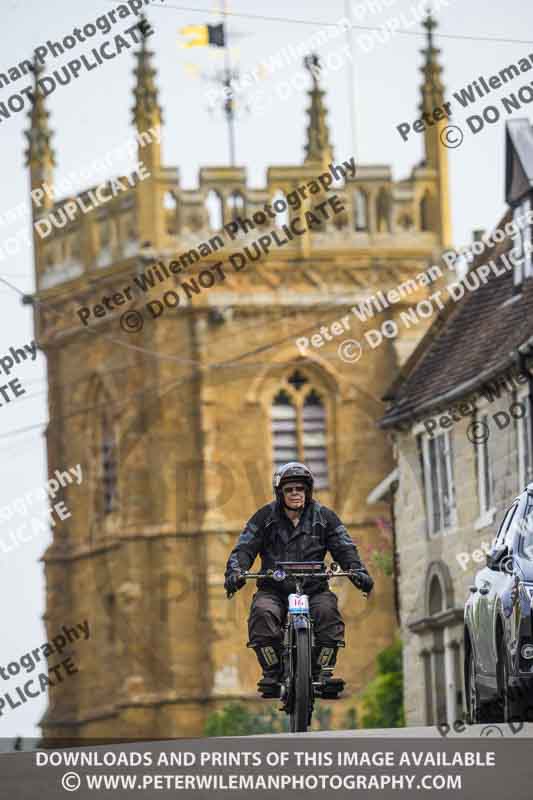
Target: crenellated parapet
x=98, y=230
x=109, y=227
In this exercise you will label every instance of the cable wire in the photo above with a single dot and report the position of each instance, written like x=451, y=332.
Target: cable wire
x=323, y=24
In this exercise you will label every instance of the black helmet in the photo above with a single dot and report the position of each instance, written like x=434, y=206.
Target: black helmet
x=293, y=471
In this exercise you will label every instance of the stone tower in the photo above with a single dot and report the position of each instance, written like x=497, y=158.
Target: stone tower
x=178, y=420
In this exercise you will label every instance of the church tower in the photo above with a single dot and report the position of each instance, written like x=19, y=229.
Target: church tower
x=178, y=415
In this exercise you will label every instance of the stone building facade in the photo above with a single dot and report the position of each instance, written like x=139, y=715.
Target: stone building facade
x=461, y=419
x=179, y=424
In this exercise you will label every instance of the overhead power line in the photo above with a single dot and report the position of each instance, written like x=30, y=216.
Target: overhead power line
x=324, y=24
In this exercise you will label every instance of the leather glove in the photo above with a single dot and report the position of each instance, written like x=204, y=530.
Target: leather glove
x=363, y=581
x=234, y=581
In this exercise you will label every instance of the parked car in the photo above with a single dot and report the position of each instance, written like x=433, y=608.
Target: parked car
x=498, y=623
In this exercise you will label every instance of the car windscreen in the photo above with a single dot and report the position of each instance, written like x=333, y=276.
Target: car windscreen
x=526, y=531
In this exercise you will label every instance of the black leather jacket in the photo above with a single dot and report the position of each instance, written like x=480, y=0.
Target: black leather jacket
x=271, y=534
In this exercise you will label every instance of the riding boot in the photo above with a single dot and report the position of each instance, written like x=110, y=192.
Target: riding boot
x=324, y=659
x=323, y=656
x=269, y=657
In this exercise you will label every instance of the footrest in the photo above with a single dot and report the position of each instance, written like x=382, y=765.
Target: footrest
x=269, y=688
x=332, y=687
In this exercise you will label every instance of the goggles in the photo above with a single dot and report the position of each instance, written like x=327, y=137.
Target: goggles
x=289, y=489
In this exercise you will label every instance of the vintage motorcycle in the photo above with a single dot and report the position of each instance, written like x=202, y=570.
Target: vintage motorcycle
x=298, y=689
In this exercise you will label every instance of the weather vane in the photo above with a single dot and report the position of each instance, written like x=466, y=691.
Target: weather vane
x=226, y=79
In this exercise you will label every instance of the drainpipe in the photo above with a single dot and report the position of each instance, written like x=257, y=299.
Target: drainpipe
x=395, y=559
x=525, y=353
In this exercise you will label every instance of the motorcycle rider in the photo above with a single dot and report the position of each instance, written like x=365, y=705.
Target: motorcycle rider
x=294, y=527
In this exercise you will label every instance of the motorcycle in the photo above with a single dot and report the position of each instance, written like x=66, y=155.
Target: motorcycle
x=298, y=689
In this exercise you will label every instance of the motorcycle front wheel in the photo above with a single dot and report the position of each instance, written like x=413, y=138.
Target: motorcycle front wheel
x=299, y=717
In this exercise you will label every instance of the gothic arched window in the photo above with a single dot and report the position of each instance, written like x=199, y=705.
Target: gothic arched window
x=281, y=209
x=383, y=211
x=108, y=465
x=284, y=430
x=360, y=210
x=236, y=205
x=441, y=629
x=299, y=427
x=170, y=204
x=436, y=596
x=215, y=210
x=425, y=213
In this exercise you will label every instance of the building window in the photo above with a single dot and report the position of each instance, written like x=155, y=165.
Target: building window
x=214, y=210
x=522, y=243
x=437, y=688
x=524, y=429
x=438, y=482
x=383, y=211
x=360, y=210
x=108, y=463
x=236, y=205
x=284, y=430
x=441, y=629
x=170, y=205
x=299, y=427
x=314, y=438
x=424, y=213
x=279, y=202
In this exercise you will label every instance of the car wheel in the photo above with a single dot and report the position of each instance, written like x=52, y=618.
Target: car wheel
x=477, y=711
x=510, y=701
x=504, y=685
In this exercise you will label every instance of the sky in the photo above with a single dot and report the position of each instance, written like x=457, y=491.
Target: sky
x=92, y=115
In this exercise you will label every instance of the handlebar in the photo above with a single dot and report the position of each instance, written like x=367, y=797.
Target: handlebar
x=271, y=573
x=280, y=574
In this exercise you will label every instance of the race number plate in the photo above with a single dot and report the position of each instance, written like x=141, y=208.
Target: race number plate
x=298, y=604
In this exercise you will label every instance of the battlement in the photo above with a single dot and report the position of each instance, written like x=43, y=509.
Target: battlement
x=100, y=227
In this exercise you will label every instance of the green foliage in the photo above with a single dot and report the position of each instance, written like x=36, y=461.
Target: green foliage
x=383, y=697
x=350, y=720
x=235, y=719
x=321, y=719
x=382, y=561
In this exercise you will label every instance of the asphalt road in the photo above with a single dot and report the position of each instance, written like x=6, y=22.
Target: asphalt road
x=423, y=732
